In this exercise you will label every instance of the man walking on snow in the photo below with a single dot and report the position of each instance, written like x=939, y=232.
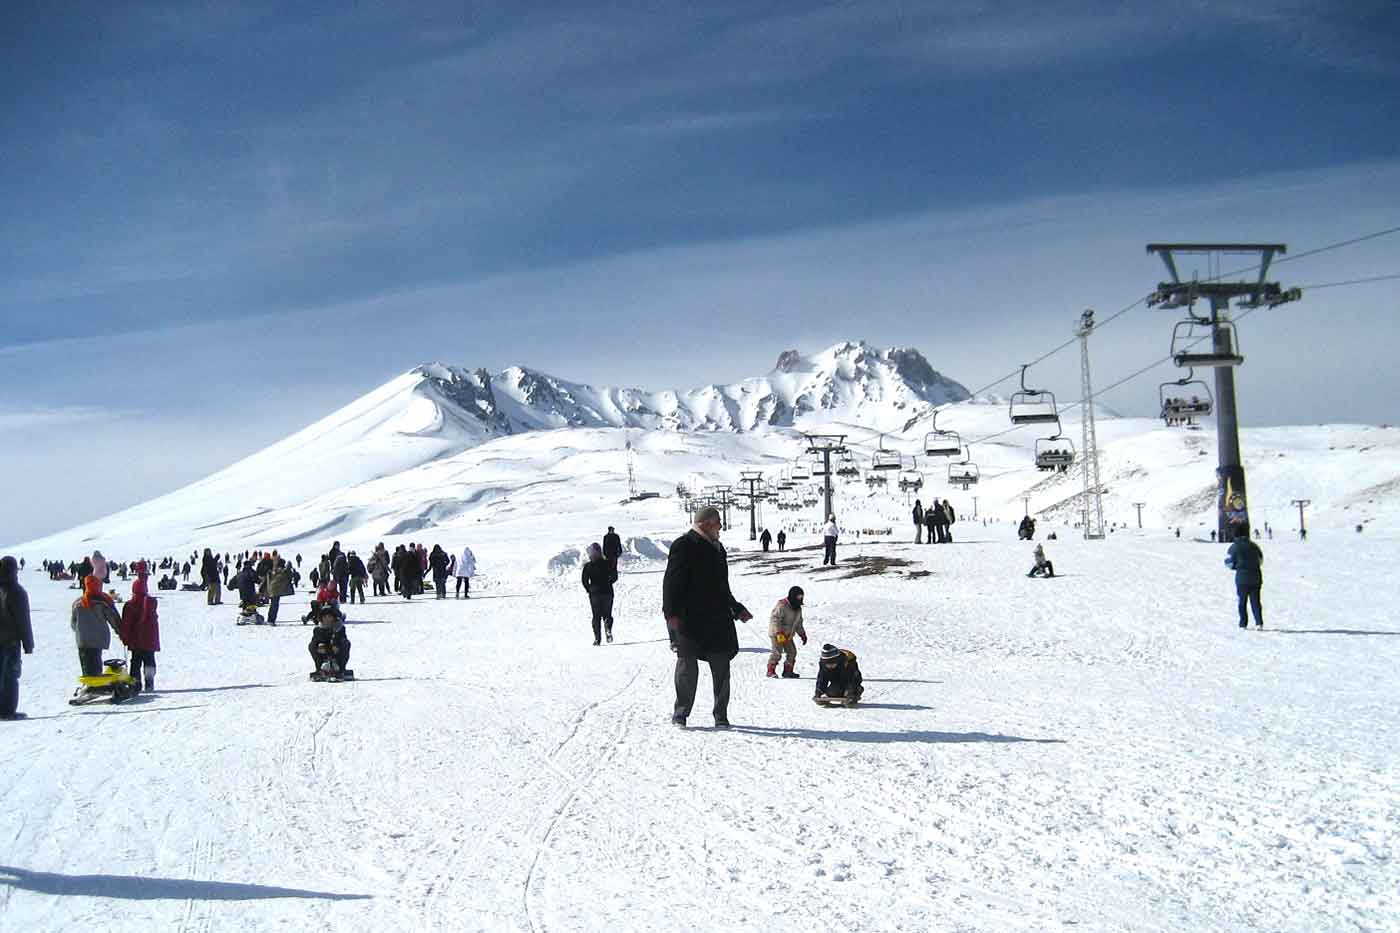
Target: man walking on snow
x=612, y=548
x=829, y=535
x=700, y=611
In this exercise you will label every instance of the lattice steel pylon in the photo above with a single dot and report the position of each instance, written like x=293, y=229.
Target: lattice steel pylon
x=1093, y=491
x=631, y=470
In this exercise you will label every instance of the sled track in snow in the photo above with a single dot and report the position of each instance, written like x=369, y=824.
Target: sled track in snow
x=557, y=815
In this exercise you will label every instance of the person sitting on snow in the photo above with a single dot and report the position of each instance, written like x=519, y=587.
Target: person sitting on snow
x=1042, y=565
x=327, y=597
x=783, y=623
x=838, y=675
x=329, y=642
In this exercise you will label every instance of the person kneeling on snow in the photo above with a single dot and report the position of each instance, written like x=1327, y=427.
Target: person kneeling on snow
x=329, y=642
x=327, y=597
x=1041, y=564
x=783, y=623
x=838, y=675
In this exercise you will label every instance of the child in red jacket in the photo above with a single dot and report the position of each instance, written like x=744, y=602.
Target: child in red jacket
x=140, y=632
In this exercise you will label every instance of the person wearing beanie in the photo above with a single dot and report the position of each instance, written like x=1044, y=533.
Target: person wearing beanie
x=16, y=635
x=700, y=610
x=599, y=575
x=140, y=632
x=838, y=675
x=784, y=623
x=93, y=621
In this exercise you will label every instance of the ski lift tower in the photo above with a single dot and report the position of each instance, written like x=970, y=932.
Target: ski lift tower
x=631, y=471
x=1222, y=356
x=824, y=445
x=755, y=494
x=1093, y=491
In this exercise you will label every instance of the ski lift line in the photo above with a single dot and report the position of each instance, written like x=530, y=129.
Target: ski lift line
x=1313, y=252
x=1368, y=279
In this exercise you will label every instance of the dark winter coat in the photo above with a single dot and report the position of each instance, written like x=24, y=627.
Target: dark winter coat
x=334, y=636
x=695, y=592
x=612, y=546
x=340, y=568
x=1247, y=560
x=209, y=570
x=437, y=562
x=765, y=537
x=357, y=568
x=15, y=627
x=839, y=680
x=247, y=585
x=599, y=576
x=918, y=513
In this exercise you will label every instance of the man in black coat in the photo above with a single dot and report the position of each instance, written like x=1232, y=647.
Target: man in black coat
x=700, y=611
x=340, y=570
x=612, y=548
x=16, y=635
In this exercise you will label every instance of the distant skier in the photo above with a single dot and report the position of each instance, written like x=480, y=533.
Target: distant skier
x=598, y=579
x=765, y=539
x=838, y=676
x=918, y=522
x=1042, y=564
x=784, y=622
x=1246, y=559
x=782, y=540
x=830, y=532
x=612, y=548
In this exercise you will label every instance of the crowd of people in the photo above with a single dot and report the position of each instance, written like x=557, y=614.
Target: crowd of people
x=935, y=521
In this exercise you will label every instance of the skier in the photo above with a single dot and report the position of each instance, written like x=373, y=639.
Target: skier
x=466, y=569
x=1042, y=566
x=918, y=522
x=612, y=549
x=1246, y=559
x=784, y=622
x=782, y=540
x=838, y=675
x=765, y=539
x=598, y=579
x=437, y=562
x=140, y=632
x=329, y=647
x=829, y=535
x=16, y=635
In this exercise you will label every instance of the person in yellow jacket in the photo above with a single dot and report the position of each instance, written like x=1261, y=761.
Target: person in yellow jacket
x=784, y=623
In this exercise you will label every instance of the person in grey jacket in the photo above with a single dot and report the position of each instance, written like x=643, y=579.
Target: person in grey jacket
x=1246, y=559
x=16, y=635
x=93, y=621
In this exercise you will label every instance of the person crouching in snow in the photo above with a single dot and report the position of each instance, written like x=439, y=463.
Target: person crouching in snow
x=1041, y=564
x=327, y=597
x=329, y=643
x=838, y=675
x=783, y=623
x=140, y=632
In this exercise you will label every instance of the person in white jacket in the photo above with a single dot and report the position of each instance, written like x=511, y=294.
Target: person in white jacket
x=829, y=535
x=466, y=569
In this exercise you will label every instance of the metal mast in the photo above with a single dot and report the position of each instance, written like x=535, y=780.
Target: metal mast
x=824, y=445
x=631, y=471
x=1093, y=491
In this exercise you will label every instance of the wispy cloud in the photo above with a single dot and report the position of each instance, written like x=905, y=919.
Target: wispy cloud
x=25, y=419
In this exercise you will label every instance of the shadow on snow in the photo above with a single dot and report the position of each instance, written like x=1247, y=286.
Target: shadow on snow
x=135, y=888
x=1330, y=631
x=882, y=737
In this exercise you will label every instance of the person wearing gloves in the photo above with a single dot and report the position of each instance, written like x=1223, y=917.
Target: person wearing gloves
x=838, y=675
x=785, y=622
x=829, y=535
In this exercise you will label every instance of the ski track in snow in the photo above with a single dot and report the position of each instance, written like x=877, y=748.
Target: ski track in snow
x=1104, y=750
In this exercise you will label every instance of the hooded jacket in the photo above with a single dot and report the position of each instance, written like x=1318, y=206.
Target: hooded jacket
x=140, y=628
x=94, y=617
x=15, y=625
x=466, y=564
x=786, y=619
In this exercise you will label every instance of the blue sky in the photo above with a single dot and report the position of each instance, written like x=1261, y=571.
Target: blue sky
x=220, y=220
